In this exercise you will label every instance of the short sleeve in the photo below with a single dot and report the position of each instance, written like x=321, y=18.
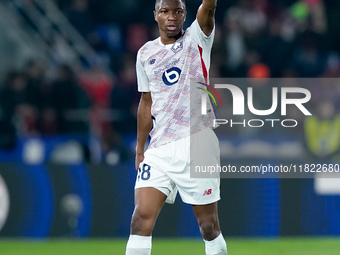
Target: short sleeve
x=142, y=78
x=199, y=37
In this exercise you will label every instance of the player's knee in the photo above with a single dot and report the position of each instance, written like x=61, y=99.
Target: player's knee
x=209, y=229
x=142, y=223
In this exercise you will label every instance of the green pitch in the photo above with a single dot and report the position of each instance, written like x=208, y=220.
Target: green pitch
x=282, y=246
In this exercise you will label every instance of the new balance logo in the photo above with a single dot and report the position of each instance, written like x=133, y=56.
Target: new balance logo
x=207, y=192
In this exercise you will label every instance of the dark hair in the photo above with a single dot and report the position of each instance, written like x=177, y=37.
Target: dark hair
x=158, y=1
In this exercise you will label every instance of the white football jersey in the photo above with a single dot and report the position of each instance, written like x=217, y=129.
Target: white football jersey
x=171, y=73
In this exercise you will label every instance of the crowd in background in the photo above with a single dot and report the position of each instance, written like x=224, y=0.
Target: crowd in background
x=254, y=38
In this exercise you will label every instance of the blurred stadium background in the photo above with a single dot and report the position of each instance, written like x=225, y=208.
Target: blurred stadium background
x=68, y=101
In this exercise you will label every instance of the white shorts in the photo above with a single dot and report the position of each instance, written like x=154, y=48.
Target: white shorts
x=167, y=168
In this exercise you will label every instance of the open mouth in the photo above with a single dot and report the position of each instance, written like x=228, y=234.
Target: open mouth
x=171, y=27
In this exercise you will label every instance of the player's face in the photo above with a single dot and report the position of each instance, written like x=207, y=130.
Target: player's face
x=170, y=16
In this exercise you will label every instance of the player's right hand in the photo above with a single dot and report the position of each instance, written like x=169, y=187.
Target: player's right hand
x=138, y=160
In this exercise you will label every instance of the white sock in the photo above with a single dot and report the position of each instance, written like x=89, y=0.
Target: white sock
x=138, y=245
x=217, y=246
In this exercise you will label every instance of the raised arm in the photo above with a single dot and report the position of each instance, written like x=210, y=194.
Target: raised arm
x=144, y=124
x=206, y=16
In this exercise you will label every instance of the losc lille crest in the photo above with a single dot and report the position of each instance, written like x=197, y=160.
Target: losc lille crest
x=177, y=47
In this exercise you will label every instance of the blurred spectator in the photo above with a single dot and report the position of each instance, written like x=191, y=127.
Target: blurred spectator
x=18, y=104
x=322, y=132
x=114, y=148
x=81, y=18
x=110, y=41
x=250, y=59
x=61, y=112
x=136, y=37
x=7, y=135
x=317, y=13
x=234, y=41
x=333, y=19
x=125, y=97
x=310, y=13
x=35, y=73
x=251, y=18
x=98, y=85
x=309, y=58
x=332, y=66
x=218, y=53
x=275, y=50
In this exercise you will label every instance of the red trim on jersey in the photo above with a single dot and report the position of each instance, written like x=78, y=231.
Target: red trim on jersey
x=205, y=71
x=205, y=74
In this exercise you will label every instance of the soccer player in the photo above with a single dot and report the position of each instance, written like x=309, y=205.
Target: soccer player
x=166, y=68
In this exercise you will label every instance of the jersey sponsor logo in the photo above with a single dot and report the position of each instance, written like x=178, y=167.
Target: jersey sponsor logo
x=207, y=192
x=169, y=65
x=171, y=76
x=177, y=47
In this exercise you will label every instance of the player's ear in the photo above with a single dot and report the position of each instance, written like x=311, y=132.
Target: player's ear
x=155, y=15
